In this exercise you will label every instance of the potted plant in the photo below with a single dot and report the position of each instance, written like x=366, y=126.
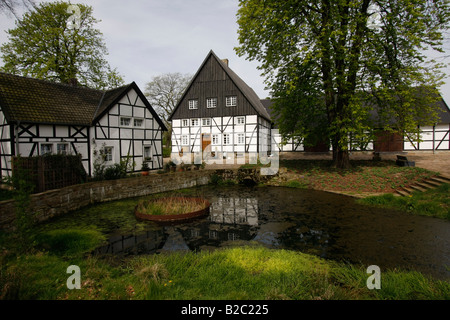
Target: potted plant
x=145, y=169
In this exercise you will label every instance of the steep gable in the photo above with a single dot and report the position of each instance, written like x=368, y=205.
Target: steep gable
x=214, y=79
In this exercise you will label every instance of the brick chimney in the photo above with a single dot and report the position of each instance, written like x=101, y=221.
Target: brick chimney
x=225, y=61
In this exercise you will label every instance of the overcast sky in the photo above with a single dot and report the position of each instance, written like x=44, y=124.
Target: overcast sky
x=153, y=37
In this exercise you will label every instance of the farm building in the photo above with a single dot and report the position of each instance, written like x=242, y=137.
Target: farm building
x=220, y=114
x=39, y=117
x=436, y=137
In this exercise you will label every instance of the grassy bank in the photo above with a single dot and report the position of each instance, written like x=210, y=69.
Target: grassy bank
x=363, y=176
x=433, y=202
x=233, y=273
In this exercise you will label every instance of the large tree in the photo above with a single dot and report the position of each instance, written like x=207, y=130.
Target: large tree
x=163, y=92
x=338, y=69
x=57, y=41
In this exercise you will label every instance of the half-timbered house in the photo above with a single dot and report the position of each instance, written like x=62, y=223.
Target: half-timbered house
x=431, y=138
x=39, y=117
x=220, y=114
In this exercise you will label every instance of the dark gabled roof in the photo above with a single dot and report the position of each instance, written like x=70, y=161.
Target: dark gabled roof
x=29, y=100
x=248, y=92
x=38, y=101
x=444, y=111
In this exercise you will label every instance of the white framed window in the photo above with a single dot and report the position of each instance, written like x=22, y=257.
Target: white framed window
x=125, y=121
x=185, y=123
x=185, y=140
x=147, y=152
x=240, y=138
x=108, y=153
x=226, y=139
x=240, y=120
x=206, y=122
x=138, y=123
x=211, y=102
x=231, y=101
x=62, y=148
x=215, y=139
x=194, y=122
x=46, y=148
x=193, y=104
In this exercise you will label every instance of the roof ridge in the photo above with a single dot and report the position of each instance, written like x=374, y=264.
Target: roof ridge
x=50, y=82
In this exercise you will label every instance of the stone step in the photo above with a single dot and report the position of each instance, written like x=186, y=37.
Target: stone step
x=406, y=190
x=440, y=179
x=417, y=187
x=430, y=183
x=423, y=186
x=402, y=193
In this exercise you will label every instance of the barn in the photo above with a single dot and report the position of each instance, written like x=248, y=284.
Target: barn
x=219, y=115
x=431, y=138
x=39, y=117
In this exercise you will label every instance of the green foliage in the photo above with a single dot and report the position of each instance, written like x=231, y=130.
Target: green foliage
x=296, y=184
x=167, y=151
x=216, y=179
x=120, y=170
x=328, y=63
x=44, y=47
x=24, y=215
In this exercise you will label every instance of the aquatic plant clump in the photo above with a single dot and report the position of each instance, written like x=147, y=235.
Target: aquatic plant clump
x=172, y=208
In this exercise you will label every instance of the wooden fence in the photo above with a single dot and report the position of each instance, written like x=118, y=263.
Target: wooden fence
x=50, y=171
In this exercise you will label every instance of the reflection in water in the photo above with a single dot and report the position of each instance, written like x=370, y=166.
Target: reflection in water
x=230, y=219
x=324, y=224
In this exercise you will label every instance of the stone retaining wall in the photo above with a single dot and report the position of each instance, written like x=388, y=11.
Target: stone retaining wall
x=56, y=202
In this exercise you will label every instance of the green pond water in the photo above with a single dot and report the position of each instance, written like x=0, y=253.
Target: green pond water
x=320, y=223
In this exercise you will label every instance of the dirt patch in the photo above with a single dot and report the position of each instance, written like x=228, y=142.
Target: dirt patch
x=438, y=161
x=365, y=177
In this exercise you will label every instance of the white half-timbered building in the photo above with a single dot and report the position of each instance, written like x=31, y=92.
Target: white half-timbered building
x=220, y=115
x=39, y=117
x=431, y=138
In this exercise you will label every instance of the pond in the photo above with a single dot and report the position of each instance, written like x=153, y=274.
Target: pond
x=320, y=223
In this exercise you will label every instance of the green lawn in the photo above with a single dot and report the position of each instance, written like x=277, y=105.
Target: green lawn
x=233, y=273
x=433, y=202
